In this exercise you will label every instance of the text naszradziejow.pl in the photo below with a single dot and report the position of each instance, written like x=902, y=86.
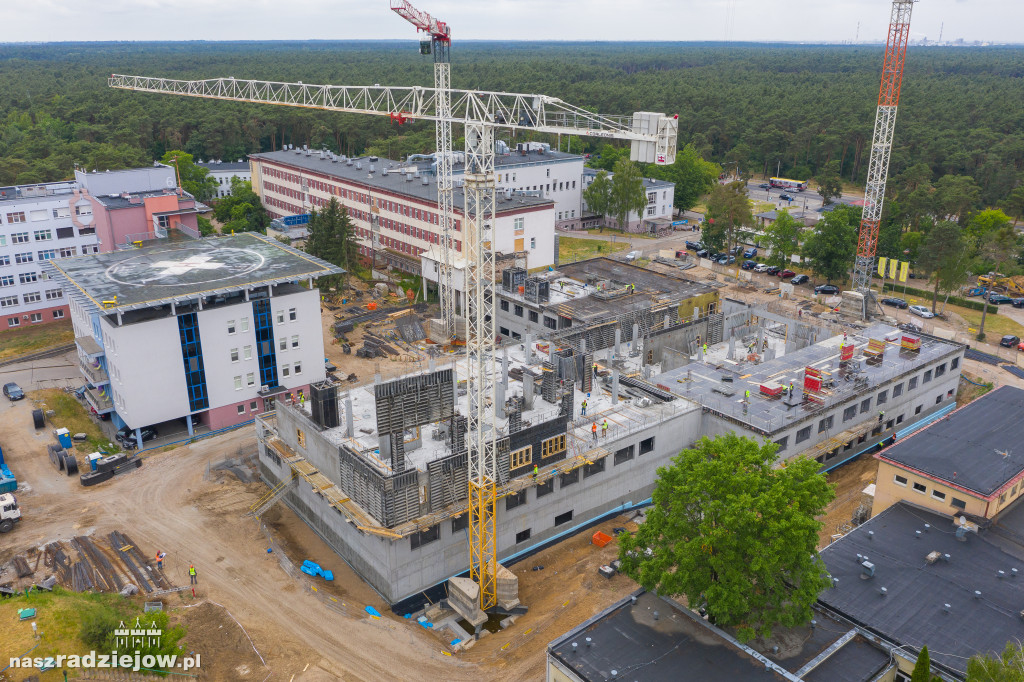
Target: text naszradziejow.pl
x=92, y=659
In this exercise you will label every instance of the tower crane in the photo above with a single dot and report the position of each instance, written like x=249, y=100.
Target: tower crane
x=437, y=41
x=881, y=146
x=653, y=140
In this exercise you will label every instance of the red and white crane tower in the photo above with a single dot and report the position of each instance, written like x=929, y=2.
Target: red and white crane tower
x=881, y=147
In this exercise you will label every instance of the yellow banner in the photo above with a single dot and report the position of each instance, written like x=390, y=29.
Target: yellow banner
x=892, y=269
x=904, y=268
x=881, y=266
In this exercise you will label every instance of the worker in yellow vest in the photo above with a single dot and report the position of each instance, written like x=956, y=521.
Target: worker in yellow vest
x=192, y=574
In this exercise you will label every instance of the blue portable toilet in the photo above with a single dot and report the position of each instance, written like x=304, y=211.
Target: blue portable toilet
x=63, y=437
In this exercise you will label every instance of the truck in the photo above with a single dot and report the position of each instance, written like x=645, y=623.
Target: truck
x=9, y=512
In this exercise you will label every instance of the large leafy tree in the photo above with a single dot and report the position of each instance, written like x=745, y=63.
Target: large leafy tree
x=627, y=194
x=332, y=236
x=955, y=196
x=242, y=210
x=782, y=239
x=693, y=177
x=1014, y=203
x=983, y=223
x=829, y=184
x=832, y=246
x=597, y=195
x=729, y=208
x=945, y=258
x=194, y=179
x=999, y=247
x=729, y=530
x=1008, y=667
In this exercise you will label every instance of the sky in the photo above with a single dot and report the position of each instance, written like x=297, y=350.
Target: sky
x=685, y=20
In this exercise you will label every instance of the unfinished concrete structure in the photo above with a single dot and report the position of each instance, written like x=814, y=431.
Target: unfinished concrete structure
x=384, y=483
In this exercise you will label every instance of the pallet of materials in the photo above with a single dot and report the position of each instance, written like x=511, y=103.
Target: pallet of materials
x=910, y=342
x=846, y=352
x=772, y=389
x=875, y=349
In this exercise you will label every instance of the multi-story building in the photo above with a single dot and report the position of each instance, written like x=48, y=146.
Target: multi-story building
x=225, y=317
x=95, y=212
x=402, y=200
x=226, y=171
x=656, y=217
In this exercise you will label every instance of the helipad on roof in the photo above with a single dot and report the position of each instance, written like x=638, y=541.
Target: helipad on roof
x=153, y=275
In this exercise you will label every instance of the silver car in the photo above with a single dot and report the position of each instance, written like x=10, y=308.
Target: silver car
x=921, y=311
x=761, y=267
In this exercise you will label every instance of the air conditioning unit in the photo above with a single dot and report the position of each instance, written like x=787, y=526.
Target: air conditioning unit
x=264, y=389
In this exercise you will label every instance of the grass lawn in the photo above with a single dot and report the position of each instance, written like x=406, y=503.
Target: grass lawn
x=995, y=325
x=32, y=339
x=613, y=231
x=74, y=416
x=572, y=249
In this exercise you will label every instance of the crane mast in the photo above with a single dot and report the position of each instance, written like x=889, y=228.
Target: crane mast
x=881, y=146
x=653, y=140
x=438, y=42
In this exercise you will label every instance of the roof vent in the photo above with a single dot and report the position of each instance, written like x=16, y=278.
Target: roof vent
x=426, y=180
x=977, y=594
x=1000, y=574
x=374, y=158
x=384, y=172
x=946, y=608
x=917, y=534
x=883, y=591
x=933, y=556
x=867, y=570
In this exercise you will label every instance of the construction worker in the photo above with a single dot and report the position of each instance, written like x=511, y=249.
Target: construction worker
x=705, y=349
x=535, y=472
x=791, y=388
x=881, y=416
x=746, y=395
x=604, y=429
x=632, y=289
x=595, y=369
x=192, y=574
x=583, y=406
x=593, y=430
x=160, y=560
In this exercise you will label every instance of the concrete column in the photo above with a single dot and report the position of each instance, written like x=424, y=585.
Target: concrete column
x=528, y=347
x=732, y=347
x=349, y=430
x=618, y=340
x=668, y=321
x=527, y=391
x=583, y=344
x=636, y=332
x=615, y=386
x=551, y=355
x=504, y=367
x=431, y=363
x=188, y=423
x=499, y=400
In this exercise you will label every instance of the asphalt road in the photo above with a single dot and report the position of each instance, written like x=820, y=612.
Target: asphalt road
x=46, y=373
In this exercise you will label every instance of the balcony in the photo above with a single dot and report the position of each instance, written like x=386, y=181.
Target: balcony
x=89, y=346
x=99, y=399
x=94, y=375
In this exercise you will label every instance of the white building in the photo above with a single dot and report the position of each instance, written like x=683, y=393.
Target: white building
x=201, y=333
x=224, y=172
x=656, y=217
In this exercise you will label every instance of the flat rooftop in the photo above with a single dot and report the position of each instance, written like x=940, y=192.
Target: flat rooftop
x=576, y=289
x=702, y=381
x=984, y=609
x=165, y=272
x=649, y=183
x=393, y=181
x=974, y=447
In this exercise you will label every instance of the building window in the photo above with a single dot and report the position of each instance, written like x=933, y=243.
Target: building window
x=28, y=277
x=522, y=536
x=865, y=405
x=954, y=363
x=286, y=370
x=67, y=251
x=245, y=324
x=13, y=321
x=241, y=409
x=593, y=468
x=238, y=383
x=7, y=281
x=231, y=326
x=803, y=434
x=515, y=500
x=21, y=258
x=234, y=355
x=33, y=297
x=8, y=301
x=518, y=310
x=825, y=424
x=522, y=457
x=927, y=377
x=647, y=445
x=940, y=496
x=897, y=390
x=16, y=217
x=42, y=235
x=460, y=523
x=247, y=352
x=533, y=316
x=517, y=224
x=280, y=317
x=250, y=379
x=552, y=446
x=550, y=322
x=533, y=242
x=295, y=342
x=958, y=503
x=938, y=399
x=623, y=455
x=20, y=238
x=782, y=443
x=912, y=384
x=283, y=343
x=504, y=305
x=917, y=410
x=35, y=317
x=426, y=536
x=297, y=368
x=57, y=314
x=899, y=419
x=53, y=294
x=546, y=488
x=849, y=413
x=252, y=406
x=292, y=314
x=882, y=398
x=900, y=480
x=940, y=370
x=563, y=518
x=569, y=478
x=920, y=488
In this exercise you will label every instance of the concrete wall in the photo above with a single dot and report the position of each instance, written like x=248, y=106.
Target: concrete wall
x=145, y=179
x=397, y=571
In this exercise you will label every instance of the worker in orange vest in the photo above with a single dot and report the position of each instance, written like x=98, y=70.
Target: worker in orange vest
x=160, y=560
x=593, y=430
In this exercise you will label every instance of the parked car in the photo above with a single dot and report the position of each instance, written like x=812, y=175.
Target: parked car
x=749, y=265
x=786, y=273
x=750, y=253
x=126, y=436
x=13, y=391
x=999, y=299
x=921, y=311
x=773, y=270
x=785, y=197
x=736, y=249
x=702, y=253
x=1018, y=303
x=1009, y=341
x=830, y=289
x=693, y=245
x=765, y=185
x=895, y=302
x=800, y=279
x=762, y=267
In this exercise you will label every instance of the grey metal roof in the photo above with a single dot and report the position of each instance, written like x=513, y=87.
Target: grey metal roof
x=979, y=446
x=119, y=201
x=224, y=165
x=156, y=275
x=392, y=182
x=912, y=612
x=649, y=183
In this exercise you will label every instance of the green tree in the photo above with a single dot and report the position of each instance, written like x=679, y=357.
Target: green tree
x=332, y=237
x=1014, y=204
x=832, y=246
x=729, y=208
x=609, y=156
x=922, y=668
x=999, y=247
x=955, y=196
x=194, y=179
x=1008, y=667
x=627, y=194
x=693, y=177
x=782, y=239
x=242, y=210
x=597, y=195
x=983, y=223
x=944, y=258
x=829, y=184
x=729, y=530
x=205, y=226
